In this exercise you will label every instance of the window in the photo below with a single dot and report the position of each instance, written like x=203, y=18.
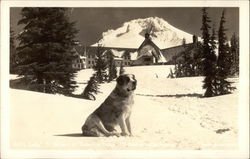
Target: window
x=89, y=62
x=93, y=56
x=147, y=59
x=88, y=56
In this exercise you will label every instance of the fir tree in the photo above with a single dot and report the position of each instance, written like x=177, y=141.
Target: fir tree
x=111, y=67
x=235, y=54
x=100, y=67
x=223, y=61
x=122, y=71
x=91, y=88
x=208, y=55
x=214, y=66
x=45, y=49
x=13, y=55
x=188, y=61
x=178, y=70
x=185, y=58
x=198, y=59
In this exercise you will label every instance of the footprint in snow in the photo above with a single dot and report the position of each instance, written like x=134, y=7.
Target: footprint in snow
x=220, y=131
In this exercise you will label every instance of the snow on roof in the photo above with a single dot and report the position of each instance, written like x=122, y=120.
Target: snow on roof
x=162, y=58
x=117, y=53
x=82, y=57
x=133, y=55
x=118, y=58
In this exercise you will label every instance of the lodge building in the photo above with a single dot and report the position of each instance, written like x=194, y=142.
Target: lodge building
x=147, y=54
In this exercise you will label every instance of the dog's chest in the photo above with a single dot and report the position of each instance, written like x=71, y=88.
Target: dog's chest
x=113, y=108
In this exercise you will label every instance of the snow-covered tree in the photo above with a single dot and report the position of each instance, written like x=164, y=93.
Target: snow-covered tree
x=45, y=49
x=91, y=88
x=223, y=61
x=208, y=55
x=101, y=66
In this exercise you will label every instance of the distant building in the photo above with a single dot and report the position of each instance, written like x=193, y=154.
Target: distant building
x=80, y=59
x=147, y=54
x=121, y=55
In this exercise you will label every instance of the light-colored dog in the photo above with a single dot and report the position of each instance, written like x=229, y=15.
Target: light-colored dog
x=115, y=110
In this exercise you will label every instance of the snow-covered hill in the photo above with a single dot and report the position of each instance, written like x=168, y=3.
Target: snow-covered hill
x=168, y=114
x=131, y=34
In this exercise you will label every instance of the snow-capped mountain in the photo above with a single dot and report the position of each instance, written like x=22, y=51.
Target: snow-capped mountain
x=131, y=34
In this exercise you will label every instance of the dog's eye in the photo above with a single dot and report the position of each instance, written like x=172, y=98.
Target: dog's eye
x=127, y=79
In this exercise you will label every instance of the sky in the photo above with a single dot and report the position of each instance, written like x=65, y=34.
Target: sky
x=92, y=22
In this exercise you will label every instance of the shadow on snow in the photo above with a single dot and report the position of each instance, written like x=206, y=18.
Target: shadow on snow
x=175, y=95
x=71, y=135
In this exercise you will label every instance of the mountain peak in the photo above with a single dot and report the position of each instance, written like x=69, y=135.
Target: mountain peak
x=131, y=34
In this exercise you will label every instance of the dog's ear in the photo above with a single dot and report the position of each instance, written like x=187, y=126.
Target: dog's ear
x=122, y=79
x=133, y=76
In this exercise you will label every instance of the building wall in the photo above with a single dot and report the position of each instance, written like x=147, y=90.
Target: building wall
x=90, y=60
x=79, y=63
x=126, y=61
x=171, y=52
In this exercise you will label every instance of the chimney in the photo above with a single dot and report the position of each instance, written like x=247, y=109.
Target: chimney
x=147, y=36
x=195, y=39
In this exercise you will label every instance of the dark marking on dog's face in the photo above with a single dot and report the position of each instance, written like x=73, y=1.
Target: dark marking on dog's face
x=127, y=82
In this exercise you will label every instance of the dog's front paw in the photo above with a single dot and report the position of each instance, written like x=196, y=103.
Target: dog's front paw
x=125, y=134
x=114, y=133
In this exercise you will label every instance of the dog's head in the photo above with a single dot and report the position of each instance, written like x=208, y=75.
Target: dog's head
x=127, y=82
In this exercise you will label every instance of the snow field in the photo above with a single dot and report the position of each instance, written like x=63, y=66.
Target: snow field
x=167, y=114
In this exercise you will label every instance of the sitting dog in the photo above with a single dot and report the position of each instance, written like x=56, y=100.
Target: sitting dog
x=115, y=110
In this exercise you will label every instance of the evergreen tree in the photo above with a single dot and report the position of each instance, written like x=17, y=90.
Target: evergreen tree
x=45, y=50
x=235, y=54
x=122, y=71
x=100, y=67
x=91, y=88
x=178, y=70
x=185, y=58
x=111, y=67
x=223, y=61
x=188, y=61
x=13, y=56
x=198, y=59
x=214, y=66
x=208, y=55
